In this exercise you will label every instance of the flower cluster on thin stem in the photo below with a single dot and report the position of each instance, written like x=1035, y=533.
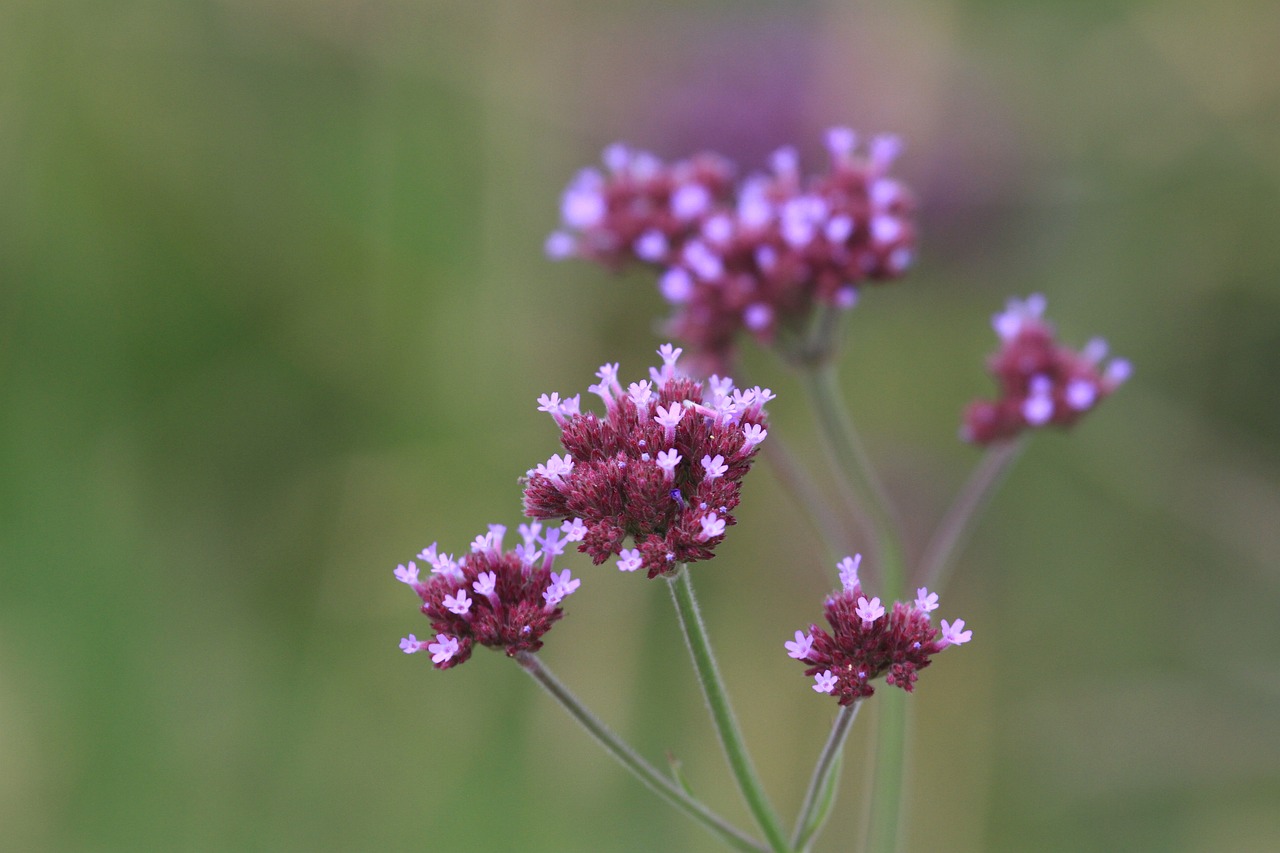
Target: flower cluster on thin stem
x=490, y=597
x=755, y=256
x=868, y=641
x=663, y=467
x=1041, y=382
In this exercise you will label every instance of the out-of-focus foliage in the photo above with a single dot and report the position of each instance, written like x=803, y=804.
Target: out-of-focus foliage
x=274, y=313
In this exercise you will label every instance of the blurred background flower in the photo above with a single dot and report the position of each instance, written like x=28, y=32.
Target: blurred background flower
x=274, y=313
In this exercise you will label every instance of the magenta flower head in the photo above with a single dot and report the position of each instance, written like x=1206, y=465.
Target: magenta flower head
x=754, y=257
x=1041, y=382
x=662, y=467
x=867, y=641
x=491, y=597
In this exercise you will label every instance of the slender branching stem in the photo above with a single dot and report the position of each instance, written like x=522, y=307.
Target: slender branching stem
x=726, y=726
x=854, y=467
x=816, y=507
x=823, y=387
x=964, y=512
x=822, y=785
x=641, y=769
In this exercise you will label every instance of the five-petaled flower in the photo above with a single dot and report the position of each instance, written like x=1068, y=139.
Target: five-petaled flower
x=517, y=595
x=662, y=467
x=866, y=642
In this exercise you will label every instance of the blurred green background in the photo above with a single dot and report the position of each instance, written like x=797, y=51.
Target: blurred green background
x=275, y=312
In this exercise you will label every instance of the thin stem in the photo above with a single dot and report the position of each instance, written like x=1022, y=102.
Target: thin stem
x=641, y=769
x=886, y=786
x=851, y=461
x=965, y=510
x=809, y=821
x=823, y=387
x=726, y=726
x=817, y=509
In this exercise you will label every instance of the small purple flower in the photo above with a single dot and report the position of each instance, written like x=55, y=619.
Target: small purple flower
x=443, y=649
x=1041, y=382
x=714, y=466
x=629, y=560
x=801, y=647
x=712, y=526
x=459, y=603
x=752, y=435
x=516, y=597
x=411, y=644
x=750, y=257
x=866, y=642
x=848, y=568
x=657, y=476
x=953, y=634
x=869, y=611
x=926, y=602
x=667, y=461
x=407, y=574
x=825, y=682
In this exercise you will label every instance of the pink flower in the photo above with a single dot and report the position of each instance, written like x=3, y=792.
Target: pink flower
x=516, y=596
x=865, y=643
x=1041, y=382
x=745, y=258
x=630, y=475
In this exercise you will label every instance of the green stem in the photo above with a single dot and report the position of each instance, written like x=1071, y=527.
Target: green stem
x=817, y=509
x=886, y=786
x=965, y=510
x=643, y=770
x=735, y=749
x=842, y=441
x=822, y=784
x=845, y=447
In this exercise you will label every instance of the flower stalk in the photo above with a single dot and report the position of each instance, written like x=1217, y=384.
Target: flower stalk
x=664, y=787
x=825, y=780
x=957, y=525
x=726, y=725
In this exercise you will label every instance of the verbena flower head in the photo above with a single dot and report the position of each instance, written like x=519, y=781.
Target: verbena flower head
x=868, y=640
x=756, y=256
x=662, y=467
x=491, y=597
x=1041, y=382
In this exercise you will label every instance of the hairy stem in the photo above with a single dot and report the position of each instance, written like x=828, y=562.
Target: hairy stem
x=628, y=758
x=965, y=510
x=726, y=725
x=822, y=784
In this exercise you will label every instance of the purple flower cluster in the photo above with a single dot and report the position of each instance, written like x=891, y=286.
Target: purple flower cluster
x=754, y=256
x=663, y=467
x=867, y=642
x=501, y=599
x=1040, y=381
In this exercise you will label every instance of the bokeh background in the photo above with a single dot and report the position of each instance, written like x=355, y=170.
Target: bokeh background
x=274, y=313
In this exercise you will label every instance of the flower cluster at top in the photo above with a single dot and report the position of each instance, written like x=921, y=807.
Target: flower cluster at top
x=755, y=255
x=501, y=599
x=1040, y=381
x=663, y=466
x=866, y=641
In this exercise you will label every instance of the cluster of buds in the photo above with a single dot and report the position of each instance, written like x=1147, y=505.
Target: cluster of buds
x=662, y=468
x=756, y=256
x=1040, y=381
x=501, y=599
x=866, y=641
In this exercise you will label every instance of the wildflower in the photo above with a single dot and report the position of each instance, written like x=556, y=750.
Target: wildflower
x=755, y=257
x=1041, y=382
x=662, y=467
x=516, y=599
x=866, y=641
